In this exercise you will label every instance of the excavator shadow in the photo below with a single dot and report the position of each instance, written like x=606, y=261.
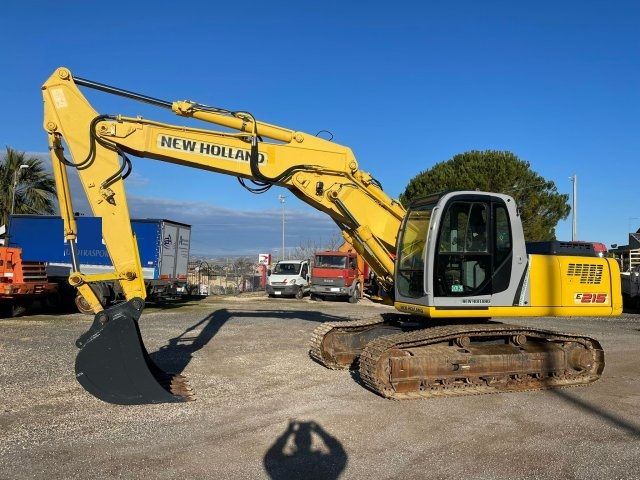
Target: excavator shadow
x=610, y=418
x=175, y=303
x=179, y=350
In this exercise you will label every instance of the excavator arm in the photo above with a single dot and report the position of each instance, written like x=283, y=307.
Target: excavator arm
x=321, y=173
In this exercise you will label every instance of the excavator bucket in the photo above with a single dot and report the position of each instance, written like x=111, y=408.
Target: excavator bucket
x=114, y=366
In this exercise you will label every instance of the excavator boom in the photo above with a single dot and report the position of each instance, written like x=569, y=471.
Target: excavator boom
x=319, y=172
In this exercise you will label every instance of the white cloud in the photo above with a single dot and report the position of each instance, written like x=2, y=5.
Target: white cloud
x=223, y=231
x=217, y=230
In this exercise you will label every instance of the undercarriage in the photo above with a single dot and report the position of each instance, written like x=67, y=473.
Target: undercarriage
x=401, y=359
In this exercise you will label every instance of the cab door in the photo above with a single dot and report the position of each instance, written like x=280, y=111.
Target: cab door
x=352, y=269
x=474, y=265
x=304, y=274
x=463, y=263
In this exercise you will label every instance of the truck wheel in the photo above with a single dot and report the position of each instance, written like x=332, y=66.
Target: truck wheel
x=10, y=309
x=355, y=295
x=299, y=293
x=19, y=310
x=82, y=305
x=53, y=301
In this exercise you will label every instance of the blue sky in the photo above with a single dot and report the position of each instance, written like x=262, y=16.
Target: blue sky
x=404, y=84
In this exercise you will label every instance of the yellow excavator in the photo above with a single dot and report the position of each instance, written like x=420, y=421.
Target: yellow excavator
x=448, y=263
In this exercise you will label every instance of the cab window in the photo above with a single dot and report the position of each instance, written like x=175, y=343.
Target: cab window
x=464, y=261
x=502, y=258
x=411, y=267
x=286, y=269
x=331, y=261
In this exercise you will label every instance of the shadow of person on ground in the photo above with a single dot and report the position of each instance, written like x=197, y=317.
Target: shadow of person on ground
x=305, y=450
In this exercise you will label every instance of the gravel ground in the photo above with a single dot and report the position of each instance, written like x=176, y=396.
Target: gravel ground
x=265, y=410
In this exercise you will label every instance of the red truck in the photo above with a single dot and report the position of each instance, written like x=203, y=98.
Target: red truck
x=23, y=283
x=339, y=274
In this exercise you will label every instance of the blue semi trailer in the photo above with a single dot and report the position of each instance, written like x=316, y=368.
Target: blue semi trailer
x=163, y=246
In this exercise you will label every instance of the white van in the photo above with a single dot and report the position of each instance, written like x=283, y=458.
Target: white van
x=289, y=278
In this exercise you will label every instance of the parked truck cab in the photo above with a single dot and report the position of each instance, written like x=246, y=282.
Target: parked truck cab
x=289, y=278
x=23, y=283
x=337, y=274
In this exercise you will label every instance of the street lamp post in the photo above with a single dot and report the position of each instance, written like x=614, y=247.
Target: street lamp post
x=281, y=198
x=574, y=213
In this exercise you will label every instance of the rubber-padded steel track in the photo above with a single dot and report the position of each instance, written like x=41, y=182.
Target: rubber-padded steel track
x=379, y=355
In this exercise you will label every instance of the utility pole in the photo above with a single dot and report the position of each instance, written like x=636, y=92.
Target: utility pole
x=281, y=198
x=574, y=226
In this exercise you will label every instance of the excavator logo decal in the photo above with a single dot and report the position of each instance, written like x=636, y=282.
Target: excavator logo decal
x=590, y=298
x=207, y=149
x=409, y=308
x=481, y=301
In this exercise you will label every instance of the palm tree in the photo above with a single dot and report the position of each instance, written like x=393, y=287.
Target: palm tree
x=35, y=188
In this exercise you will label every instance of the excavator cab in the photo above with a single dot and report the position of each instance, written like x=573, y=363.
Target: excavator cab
x=461, y=251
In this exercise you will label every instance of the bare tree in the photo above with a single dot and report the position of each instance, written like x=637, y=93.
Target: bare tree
x=335, y=242
x=243, y=267
x=309, y=248
x=306, y=250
